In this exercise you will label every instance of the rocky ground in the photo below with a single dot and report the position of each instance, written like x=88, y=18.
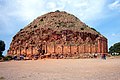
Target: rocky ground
x=61, y=69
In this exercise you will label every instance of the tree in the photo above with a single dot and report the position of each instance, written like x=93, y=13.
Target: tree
x=2, y=47
x=57, y=11
x=115, y=48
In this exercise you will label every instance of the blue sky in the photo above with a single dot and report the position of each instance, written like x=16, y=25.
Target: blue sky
x=103, y=15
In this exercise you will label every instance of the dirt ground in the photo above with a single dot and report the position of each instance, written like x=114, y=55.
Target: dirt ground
x=61, y=69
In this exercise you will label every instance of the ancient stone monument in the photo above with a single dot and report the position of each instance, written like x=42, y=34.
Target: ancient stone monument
x=58, y=35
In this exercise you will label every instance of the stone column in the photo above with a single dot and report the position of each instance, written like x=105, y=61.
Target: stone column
x=99, y=46
x=78, y=49
x=46, y=48
x=62, y=49
x=31, y=50
x=90, y=48
x=96, y=48
x=26, y=50
x=16, y=51
x=54, y=48
x=20, y=50
x=102, y=46
x=106, y=46
x=83, y=48
x=70, y=49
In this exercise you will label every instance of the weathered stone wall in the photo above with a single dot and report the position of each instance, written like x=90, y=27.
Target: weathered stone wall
x=57, y=33
x=99, y=45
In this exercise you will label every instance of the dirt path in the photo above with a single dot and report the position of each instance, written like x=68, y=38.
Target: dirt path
x=62, y=69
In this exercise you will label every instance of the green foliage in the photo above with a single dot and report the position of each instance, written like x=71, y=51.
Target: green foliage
x=2, y=47
x=111, y=49
x=21, y=29
x=82, y=28
x=115, y=48
x=57, y=11
x=95, y=30
x=7, y=58
x=1, y=57
x=62, y=24
x=41, y=19
x=72, y=25
x=35, y=26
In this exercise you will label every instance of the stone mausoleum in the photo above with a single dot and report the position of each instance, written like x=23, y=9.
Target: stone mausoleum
x=58, y=35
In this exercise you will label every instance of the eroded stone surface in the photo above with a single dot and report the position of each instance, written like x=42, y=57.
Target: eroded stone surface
x=58, y=35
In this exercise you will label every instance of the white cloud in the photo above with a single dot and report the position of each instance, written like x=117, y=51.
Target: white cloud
x=115, y=5
x=51, y=5
x=56, y=5
x=90, y=10
x=116, y=34
x=86, y=10
x=29, y=9
x=15, y=11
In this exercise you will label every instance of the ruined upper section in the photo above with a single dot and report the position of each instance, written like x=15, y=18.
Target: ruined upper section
x=55, y=27
x=59, y=21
